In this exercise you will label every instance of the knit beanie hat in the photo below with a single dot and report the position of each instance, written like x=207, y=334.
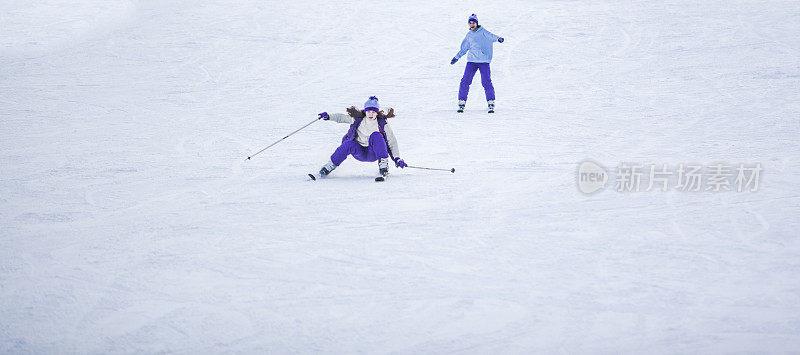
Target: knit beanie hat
x=473, y=18
x=371, y=104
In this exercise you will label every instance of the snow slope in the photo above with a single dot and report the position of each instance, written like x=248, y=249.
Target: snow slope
x=130, y=222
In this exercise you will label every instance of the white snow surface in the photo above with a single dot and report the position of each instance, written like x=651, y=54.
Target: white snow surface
x=130, y=221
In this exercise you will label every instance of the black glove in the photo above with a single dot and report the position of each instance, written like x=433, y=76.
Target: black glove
x=453, y=61
x=324, y=116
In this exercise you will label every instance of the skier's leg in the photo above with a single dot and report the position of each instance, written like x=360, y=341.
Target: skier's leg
x=347, y=148
x=377, y=146
x=466, y=80
x=486, y=80
x=378, y=151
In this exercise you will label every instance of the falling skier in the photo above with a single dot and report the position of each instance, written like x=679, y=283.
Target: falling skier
x=369, y=138
x=479, y=43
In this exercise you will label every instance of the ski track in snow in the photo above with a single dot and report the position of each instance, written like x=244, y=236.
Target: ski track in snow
x=132, y=223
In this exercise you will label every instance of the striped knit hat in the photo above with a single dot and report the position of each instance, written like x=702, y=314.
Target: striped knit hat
x=371, y=104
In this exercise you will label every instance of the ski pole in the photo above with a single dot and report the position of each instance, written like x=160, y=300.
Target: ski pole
x=279, y=140
x=452, y=170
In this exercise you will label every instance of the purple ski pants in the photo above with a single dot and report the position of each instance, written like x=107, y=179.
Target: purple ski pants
x=486, y=80
x=376, y=150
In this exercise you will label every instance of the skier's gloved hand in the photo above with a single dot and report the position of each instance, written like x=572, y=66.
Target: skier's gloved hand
x=453, y=61
x=324, y=116
x=500, y=39
x=399, y=163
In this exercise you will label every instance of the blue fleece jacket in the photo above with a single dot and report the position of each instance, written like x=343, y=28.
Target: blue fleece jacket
x=479, y=44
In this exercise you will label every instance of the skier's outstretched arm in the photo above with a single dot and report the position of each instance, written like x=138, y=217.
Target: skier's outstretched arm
x=464, y=49
x=342, y=118
x=494, y=37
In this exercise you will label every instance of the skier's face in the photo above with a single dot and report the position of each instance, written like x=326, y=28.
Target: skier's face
x=372, y=114
x=473, y=25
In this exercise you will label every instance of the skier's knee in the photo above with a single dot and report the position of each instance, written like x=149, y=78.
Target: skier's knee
x=375, y=136
x=346, y=148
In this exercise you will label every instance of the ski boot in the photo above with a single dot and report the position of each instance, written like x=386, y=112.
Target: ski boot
x=491, y=106
x=383, y=166
x=326, y=169
x=461, y=104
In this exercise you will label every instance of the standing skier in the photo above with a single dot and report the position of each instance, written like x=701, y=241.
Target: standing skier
x=479, y=43
x=369, y=138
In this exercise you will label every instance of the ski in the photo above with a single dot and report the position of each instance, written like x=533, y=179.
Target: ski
x=379, y=178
